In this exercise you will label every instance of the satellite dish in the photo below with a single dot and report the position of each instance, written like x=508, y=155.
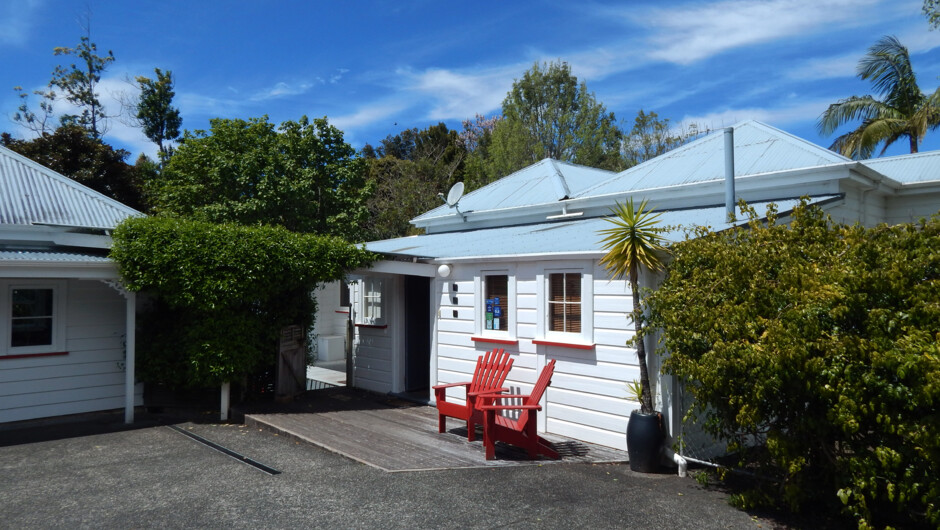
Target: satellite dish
x=455, y=193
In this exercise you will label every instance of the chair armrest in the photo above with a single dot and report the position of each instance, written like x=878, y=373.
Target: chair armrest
x=504, y=396
x=450, y=385
x=496, y=391
x=510, y=407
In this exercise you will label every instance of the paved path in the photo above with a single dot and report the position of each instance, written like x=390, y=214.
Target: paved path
x=95, y=475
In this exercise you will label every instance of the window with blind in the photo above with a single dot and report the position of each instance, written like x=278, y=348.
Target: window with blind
x=496, y=310
x=564, y=302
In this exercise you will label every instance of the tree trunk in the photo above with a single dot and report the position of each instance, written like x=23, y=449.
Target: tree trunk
x=646, y=396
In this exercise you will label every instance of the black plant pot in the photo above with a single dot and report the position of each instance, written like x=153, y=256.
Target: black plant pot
x=644, y=441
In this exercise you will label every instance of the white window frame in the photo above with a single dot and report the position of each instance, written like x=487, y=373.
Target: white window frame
x=58, y=288
x=479, y=288
x=543, y=332
x=367, y=290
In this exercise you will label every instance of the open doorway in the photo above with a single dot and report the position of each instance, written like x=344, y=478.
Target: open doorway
x=328, y=340
x=417, y=299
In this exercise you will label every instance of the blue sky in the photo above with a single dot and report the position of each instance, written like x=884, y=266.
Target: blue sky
x=376, y=68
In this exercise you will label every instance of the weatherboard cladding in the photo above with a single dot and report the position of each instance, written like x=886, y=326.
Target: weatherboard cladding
x=33, y=194
x=908, y=169
x=555, y=238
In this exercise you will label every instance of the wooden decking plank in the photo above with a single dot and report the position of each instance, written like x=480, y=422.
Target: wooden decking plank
x=405, y=438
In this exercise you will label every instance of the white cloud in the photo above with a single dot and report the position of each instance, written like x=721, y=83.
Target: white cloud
x=688, y=34
x=456, y=95
x=826, y=67
x=280, y=90
x=367, y=115
x=16, y=20
x=800, y=111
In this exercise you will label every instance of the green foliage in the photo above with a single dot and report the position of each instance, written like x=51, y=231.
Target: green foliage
x=71, y=151
x=633, y=242
x=79, y=83
x=903, y=110
x=651, y=136
x=408, y=170
x=155, y=111
x=931, y=10
x=222, y=292
x=821, y=340
x=548, y=114
x=305, y=178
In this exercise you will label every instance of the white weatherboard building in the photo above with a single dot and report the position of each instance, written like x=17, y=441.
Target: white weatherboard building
x=66, y=325
x=531, y=240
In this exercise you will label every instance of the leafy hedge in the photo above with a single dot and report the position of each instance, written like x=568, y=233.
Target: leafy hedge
x=822, y=340
x=222, y=292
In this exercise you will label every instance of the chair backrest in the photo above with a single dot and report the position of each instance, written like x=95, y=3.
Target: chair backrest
x=545, y=379
x=491, y=371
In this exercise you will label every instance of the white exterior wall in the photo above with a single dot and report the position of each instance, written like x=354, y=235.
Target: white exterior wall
x=89, y=378
x=587, y=398
x=374, y=347
x=911, y=208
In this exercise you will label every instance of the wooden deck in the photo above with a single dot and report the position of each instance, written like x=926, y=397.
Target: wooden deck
x=394, y=435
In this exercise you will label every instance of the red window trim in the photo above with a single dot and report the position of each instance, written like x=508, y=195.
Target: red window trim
x=494, y=341
x=563, y=344
x=26, y=355
x=371, y=326
x=342, y=312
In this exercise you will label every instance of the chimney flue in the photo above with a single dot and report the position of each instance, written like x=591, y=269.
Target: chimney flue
x=729, y=174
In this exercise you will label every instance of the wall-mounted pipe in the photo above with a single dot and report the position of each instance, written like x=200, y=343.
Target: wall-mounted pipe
x=729, y=174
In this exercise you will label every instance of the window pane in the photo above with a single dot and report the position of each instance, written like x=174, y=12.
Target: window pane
x=564, y=302
x=32, y=303
x=31, y=322
x=497, y=302
x=31, y=332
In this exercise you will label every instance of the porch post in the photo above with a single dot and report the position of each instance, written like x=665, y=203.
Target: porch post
x=130, y=349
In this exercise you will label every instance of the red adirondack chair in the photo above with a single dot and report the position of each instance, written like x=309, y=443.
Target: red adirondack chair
x=489, y=376
x=519, y=432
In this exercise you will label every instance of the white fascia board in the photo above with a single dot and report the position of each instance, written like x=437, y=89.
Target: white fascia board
x=785, y=184
x=399, y=267
x=919, y=188
x=47, y=269
x=541, y=256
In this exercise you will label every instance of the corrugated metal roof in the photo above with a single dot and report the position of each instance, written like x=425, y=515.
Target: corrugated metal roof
x=563, y=237
x=534, y=184
x=908, y=169
x=33, y=194
x=51, y=256
x=758, y=148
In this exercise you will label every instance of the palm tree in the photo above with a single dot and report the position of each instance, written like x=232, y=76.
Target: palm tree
x=902, y=112
x=633, y=242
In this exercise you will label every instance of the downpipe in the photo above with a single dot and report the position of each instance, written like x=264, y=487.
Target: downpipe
x=678, y=459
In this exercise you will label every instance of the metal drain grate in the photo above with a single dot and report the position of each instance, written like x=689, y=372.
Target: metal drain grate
x=241, y=458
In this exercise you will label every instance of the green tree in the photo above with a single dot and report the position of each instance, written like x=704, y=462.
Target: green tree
x=408, y=171
x=651, y=136
x=932, y=12
x=821, y=340
x=79, y=85
x=633, y=242
x=548, y=114
x=155, y=111
x=903, y=111
x=71, y=151
x=304, y=177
